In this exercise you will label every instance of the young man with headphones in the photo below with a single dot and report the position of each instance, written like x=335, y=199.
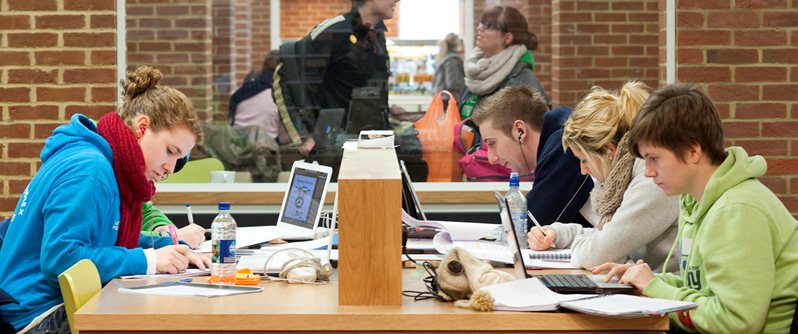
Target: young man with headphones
x=521, y=133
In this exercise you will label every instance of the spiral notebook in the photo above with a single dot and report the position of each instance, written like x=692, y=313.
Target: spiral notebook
x=550, y=255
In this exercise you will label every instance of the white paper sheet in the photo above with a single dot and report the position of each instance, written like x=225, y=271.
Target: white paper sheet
x=485, y=250
x=188, y=273
x=527, y=295
x=192, y=289
x=245, y=237
x=457, y=230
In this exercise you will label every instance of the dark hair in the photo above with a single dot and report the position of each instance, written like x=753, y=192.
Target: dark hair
x=271, y=60
x=510, y=20
x=510, y=104
x=675, y=117
x=358, y=3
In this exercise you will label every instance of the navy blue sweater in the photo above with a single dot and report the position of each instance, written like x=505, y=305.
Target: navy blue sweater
x=557, y=176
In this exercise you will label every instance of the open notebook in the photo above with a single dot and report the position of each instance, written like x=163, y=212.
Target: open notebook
x=531, y=295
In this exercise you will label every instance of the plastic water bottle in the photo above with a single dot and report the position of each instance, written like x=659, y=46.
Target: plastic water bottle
x=223, y=244
x=517, y=202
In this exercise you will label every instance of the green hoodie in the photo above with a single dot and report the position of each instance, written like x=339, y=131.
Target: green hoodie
x=152, y=218
x=739, y=259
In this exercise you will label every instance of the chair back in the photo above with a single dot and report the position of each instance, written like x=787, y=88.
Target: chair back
x=196, y=171
x=78, y=284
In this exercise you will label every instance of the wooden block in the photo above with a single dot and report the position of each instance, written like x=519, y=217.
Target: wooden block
x=369, y=217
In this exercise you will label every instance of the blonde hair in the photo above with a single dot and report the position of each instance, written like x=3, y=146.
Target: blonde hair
x=603, y=117
x=451, y=43
x=165, y=106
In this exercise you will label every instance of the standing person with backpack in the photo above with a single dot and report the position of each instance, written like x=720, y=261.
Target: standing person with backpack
x=342, y=57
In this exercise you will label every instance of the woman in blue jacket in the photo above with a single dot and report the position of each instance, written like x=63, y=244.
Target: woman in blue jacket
x=85, y=202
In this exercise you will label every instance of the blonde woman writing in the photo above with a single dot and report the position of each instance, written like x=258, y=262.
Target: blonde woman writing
x=633, y=218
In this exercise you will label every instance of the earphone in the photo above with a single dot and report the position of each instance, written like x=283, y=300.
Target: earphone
x=520, y=133
x=303, y=267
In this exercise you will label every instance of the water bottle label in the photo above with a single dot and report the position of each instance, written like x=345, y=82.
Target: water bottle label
x=224, y=251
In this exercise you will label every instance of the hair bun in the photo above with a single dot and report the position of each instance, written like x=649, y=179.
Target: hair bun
x=140, y=80
x=532, y=41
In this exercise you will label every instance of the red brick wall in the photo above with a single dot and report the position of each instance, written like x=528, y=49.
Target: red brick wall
x=602, y=42
x=297, y=18
x=261, y=31
x=744, y=54
x=223, y=46
x=176, y=37
x=539, y=18
x=243, y=40
x=58, y=58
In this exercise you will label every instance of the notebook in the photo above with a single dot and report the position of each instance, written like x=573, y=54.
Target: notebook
x=303, y=201
x=532, y=295
x=572, y=283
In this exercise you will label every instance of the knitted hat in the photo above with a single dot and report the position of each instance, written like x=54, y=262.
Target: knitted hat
x=460, y=274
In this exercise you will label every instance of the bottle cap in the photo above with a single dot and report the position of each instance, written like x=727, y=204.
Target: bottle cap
x=514, y=179
x=224, y=205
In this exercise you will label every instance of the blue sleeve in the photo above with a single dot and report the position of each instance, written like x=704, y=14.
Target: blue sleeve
x=557, y=180
x=152, y=241
x=79, y=225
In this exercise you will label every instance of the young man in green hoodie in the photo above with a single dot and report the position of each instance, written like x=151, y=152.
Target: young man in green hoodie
x=739, y=246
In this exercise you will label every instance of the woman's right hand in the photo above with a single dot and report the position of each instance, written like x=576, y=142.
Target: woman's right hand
x=171, y=259
x=537, y=241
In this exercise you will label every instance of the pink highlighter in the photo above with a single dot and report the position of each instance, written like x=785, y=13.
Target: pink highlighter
x=173, y=234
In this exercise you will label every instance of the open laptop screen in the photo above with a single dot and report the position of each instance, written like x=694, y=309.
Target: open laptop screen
x=303, y=201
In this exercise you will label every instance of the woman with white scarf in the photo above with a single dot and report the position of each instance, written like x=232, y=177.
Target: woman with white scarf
x=633, y=218
x=502, y=57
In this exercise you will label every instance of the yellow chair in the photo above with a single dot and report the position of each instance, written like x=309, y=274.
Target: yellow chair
x=78, y=284
x=196, y=171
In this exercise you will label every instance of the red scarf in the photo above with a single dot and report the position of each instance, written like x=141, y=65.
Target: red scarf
x=134, y=188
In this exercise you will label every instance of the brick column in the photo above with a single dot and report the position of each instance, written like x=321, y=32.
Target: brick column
x=177, y=40
x=602, y=42
x=744, y=54
x=57, y=58
x=261, y=31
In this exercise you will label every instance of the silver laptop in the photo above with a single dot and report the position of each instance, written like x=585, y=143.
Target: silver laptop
x=303, y=201
x=560, y=283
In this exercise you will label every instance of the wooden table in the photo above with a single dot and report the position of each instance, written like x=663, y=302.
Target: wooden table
x=283, y=307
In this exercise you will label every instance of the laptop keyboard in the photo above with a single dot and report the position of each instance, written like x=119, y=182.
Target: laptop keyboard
x=555, y=281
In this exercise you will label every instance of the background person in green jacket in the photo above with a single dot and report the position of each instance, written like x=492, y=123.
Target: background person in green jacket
x=739, y=248
x=155, y=223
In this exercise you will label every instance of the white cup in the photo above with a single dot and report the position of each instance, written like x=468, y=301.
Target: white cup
x=223, y=176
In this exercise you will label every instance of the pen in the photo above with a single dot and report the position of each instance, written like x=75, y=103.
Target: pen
x=189, y=214
x=182, y=280
x=536, y=222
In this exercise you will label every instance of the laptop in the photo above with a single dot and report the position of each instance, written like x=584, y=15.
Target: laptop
x=560, y=283
x=410, y=202
x=329, y=133
x=303, y=201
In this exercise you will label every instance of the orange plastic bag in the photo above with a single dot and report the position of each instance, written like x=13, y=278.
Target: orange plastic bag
x=436, y=133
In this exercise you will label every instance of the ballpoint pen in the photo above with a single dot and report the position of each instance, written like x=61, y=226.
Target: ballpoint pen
x=189, y=214
x=536, y=222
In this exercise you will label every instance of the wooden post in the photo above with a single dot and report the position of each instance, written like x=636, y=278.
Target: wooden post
x=370, y=227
